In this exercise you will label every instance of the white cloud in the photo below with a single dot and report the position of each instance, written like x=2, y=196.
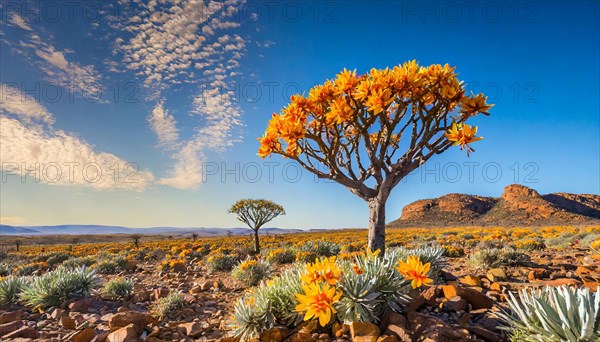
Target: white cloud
x=57, y=67
x=17, y=20
x=164, y=125
x=221, y=115
x=13, y=101
x=169, y=38
x=168, y=42
x=43, y=154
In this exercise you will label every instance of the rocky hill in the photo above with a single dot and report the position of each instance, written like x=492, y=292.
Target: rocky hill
x=518, y=205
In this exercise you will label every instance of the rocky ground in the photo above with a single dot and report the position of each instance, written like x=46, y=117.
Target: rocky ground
x=461, y=308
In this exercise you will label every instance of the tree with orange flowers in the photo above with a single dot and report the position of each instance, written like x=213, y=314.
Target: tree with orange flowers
x=352, y=129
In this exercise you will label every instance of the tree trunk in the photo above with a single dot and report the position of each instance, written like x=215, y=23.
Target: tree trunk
x=377, y=224
x=256, y=243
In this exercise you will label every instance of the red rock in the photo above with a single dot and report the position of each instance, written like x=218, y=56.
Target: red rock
x=10, y=316
x=450, y=291
x=275, y=334
x=431, y=294
x=301, y=337
x=81, y=305
x=24, y=332
x=474, y=297
x=455, y=304
x=402, y=333
x=67, y=322
x=85, y=335
x=471, y=280
x=484, y=333
x=57, y=313
x=125, y=334
x=8, y=328
x=137, y=319
x=364, y=329
x=496, y=274
x=415, y=303
x=192, y=329
x=429, y=328
x=495, y=287
x=537, y=274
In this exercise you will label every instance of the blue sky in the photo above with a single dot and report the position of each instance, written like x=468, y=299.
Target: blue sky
x=181, y=91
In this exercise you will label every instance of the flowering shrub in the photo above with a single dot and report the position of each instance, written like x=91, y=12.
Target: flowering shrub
x=117, y=288
x=306, y=256
x=168, y=306
x=453, y=251
x=530, y=244
x=30, y=269
x=281, y=256
x=251, y=272
x=334, y=290
x=221, y=262
x=173, y=265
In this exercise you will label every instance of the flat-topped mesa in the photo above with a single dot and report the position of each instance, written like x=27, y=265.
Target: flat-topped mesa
x=518, y=205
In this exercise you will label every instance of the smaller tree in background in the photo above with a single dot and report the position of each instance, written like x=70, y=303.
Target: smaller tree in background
x=194, y=236
x=256, y=213
x=136, y=240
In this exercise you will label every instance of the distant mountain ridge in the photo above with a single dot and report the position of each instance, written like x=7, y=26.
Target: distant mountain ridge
x=518, y=205
x=73, y=229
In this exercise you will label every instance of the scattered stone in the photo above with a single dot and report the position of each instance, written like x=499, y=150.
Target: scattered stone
x=85, y=335
x=455, y=304
x=137, y=319
x=364, y=331
x=124, y=334
x=57, y=313
x=192, y=329
x=538, y=274
x=496, y=274
x=430, y=328
x=431, y=294
x=67, y=322
x=471, y=280
x=8, y=328
x=275, y=334
x=484, y=333
x=474, y=297
x=23, y=332
x=10, y=316
x=81, y=305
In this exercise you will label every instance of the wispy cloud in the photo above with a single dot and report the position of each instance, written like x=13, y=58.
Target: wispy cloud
x=54, y=63
x=164, y=126
x=14, y=102
x=169, y=39
x=174, y=42
x=19, y=21
x=220, y=115
x=56, y=157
